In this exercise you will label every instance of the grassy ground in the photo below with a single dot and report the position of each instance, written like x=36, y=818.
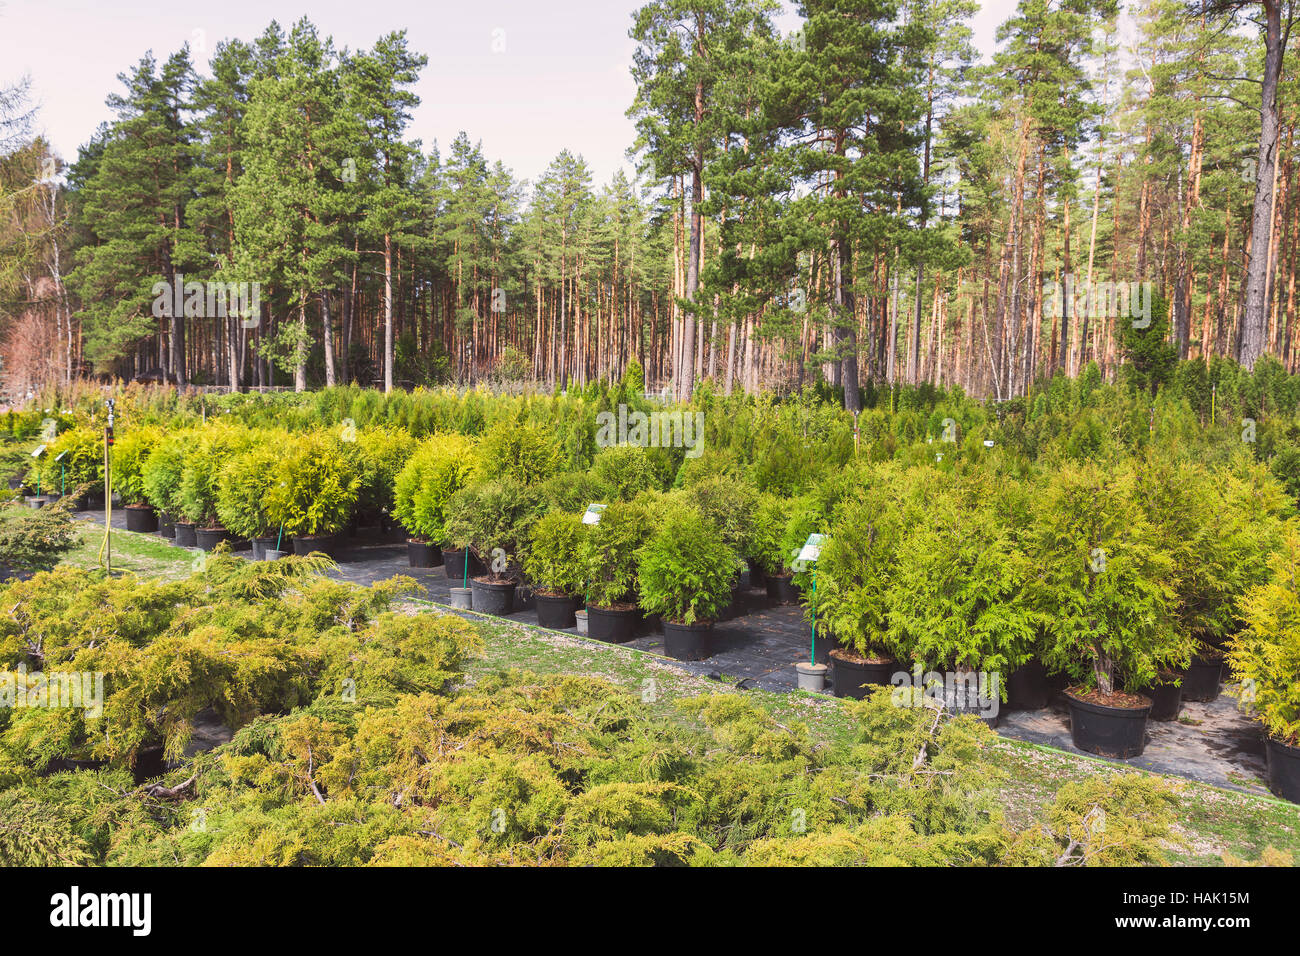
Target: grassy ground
x=1215, y=822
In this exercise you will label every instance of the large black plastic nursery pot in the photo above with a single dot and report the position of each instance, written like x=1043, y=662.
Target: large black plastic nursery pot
x=453, y=562
x=325, y=543
x=166, y=527
x=1283, y=769
x=853, y=676
x=614, y=625
x=1108, y=731
x=185, y=536
x=688, y=642
x=1202, y=679
x=1028, y=687
x=141, y=518
x=782, y=589
x=1166, y=697
x=262, y=545
x=493, y=597
x=556, y=611
x=422, y=554
x=209, y=538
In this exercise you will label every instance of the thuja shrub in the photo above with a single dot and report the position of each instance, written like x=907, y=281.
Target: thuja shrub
x=244, y=484
x=524, y=451
x=552, y=558
x=213, y=447
x=493, y=516
x=1265, y=657
x=1102, y=583
x=439, y=467
x=685, y=569
x=82, y=449
x=161, y=474
x=609, y=552
x=957, y=595
x=624, y=471
x=766, y=546
x=130, y=452
x=382, y=453
x=856, y=567
x=730, y=505
x=318, y=487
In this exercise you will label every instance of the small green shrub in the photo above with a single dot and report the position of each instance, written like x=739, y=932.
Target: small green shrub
x=552, y=558
x=318, y=487
x=685, y=569
x=438, y=468
x=130, y=452
x=214, y=447
x=383, y=453
x=1265, y=657
x=526, y=452
x=609, y=552
x=493, y=516
x=82, y=449
x=243, y=487
x=161, y=474
x=624, y=471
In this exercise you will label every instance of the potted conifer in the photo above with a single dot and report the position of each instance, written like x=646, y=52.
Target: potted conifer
x=1103, y=588
x=1265, y=658
x=492, y=519
x=315, y=496
x=439, y=467
x=684, y=575
x=552, y=561
x=130, y=452
x=609, y=559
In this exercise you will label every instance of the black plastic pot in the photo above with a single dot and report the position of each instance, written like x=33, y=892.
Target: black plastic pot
x=1202, y=679
x=782, y=589
x=1108, y=731
x=15, y=484
x=209, y=538
x=556, y=611
x=453, y=562
x=141, y=518
x=735, y=607
x=325, y=543
x=854, y=678
x=185, y=536
x=262, y=545
x=422, y=554
x=757, y=578
x=166, y=527
x=688, y=642
x=612, y=624
x=1028, y=687
x=1166, y=697
x=1283, y=769
x=493, y=597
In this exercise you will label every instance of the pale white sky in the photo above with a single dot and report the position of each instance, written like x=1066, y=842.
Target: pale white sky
x=561, y=80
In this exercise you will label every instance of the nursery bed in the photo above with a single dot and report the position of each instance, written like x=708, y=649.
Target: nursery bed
x=1211, y=743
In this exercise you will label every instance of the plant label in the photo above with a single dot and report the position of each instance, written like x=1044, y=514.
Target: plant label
x=593, y=513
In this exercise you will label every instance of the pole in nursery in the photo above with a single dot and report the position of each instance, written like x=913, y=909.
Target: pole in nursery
x=108, y=490
x=40, y=450
x=63, y=473
x=812, y=675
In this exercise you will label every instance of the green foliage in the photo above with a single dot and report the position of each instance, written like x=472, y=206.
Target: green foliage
x=33, y=539
x=318, y=486
x=131, y=450
x=1102, y=585
x=438, y=468
x=622, y=472
x=161, y=475
x=1265, y=657
x=685, y=569
x=524, y=451
x=552, y=558
x=243, y=486
x=609, y=552
x=730, y=506
x=491, y=515
x=82, y=449
x=383, y=453
x=767, y=535
x=204, y=460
